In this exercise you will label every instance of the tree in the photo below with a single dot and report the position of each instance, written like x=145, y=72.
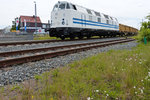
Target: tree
x=145, y=29
x=14, y=24
x=148, y=17
x=145, y=25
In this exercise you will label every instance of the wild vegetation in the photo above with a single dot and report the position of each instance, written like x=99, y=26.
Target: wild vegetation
x=43, y=37
x=47, y=37
x=144, y=30
x=113, y=75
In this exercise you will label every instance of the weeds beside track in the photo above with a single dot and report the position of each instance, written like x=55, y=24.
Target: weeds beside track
x=118, y=75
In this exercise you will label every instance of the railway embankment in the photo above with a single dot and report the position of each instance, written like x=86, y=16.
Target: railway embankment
x=116, y=74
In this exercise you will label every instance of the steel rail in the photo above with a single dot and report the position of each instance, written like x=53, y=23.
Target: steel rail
x=5, y=54
x=20, y=60
x=39, y=41
x=27, y=42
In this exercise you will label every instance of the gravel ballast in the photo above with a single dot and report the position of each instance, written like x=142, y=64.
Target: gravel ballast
x=27, y=71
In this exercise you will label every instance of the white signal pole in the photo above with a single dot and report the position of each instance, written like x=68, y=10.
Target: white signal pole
x=35, y=18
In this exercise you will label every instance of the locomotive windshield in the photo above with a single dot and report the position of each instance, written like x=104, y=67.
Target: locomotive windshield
x=62, y=6
x=68, y=6
x=55, y=7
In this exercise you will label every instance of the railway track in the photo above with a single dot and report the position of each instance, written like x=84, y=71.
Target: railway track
x=38, y=41
x=50, y=52
x=28, y=42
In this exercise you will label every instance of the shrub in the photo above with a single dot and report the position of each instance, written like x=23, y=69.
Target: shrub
x=144, y=30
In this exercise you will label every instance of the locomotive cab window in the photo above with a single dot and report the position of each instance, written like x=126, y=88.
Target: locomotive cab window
x=62, y=6
x=55, y=8
x=68, y=6
x=73, y=7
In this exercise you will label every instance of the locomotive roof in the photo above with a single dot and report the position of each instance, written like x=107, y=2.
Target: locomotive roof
x=84, y=10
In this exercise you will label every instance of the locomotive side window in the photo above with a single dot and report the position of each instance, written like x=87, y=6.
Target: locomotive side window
x=74, y=7
x=90, y=18
x=113, y=23
x=55, y=7
x=111, y=18
x=62, y=6
x=106, y=16
x=107, y=21
x=99, y=20
x=116, y=19
x=97, y=13
x=89, y=11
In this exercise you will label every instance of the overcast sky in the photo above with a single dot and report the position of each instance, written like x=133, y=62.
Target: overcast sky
x=129, y=12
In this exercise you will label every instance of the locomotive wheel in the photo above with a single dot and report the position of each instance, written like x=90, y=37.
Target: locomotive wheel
x=88, y=37
x=62, y=38
x=72, y=38
x=80, y=37
x=114, y=35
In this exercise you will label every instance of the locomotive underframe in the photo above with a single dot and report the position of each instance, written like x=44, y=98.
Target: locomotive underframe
x=65, y=32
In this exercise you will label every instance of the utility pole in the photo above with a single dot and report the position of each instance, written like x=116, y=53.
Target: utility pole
x=35, y=18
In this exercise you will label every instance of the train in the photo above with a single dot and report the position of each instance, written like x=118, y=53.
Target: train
x=127, y=30
x=70, y=21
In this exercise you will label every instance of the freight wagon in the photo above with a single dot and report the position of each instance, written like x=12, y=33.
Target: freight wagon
x=127, y=30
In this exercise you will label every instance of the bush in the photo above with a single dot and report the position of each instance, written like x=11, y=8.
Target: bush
x=144, y=30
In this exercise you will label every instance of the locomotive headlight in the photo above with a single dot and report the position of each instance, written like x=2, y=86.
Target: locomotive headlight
x=63, y=21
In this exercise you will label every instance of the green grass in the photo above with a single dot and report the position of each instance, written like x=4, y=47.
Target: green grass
x=47, y=37
x=113, y=75
x=43, y=37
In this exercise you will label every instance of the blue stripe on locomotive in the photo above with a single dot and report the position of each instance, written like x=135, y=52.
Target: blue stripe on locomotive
x=92, y=23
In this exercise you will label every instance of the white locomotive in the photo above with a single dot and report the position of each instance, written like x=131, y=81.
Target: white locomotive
x=70, y=20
